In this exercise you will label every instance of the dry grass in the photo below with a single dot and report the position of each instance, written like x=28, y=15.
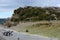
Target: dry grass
x=41, y=28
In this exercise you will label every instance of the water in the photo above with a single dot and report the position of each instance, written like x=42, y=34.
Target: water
x=2, y=21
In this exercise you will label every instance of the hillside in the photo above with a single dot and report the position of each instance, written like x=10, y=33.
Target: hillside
x=40, y=28
x=29, y=13
x=41, y=17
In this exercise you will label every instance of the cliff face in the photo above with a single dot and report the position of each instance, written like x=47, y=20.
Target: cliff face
x=35, y=13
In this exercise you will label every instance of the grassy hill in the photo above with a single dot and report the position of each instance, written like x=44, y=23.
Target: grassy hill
x=38, y=14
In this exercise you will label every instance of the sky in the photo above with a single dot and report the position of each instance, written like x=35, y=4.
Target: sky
x=7, y=7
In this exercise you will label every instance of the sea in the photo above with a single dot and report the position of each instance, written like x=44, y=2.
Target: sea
x=2, y=21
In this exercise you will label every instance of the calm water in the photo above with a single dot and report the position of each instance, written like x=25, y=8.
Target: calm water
x=2, y=21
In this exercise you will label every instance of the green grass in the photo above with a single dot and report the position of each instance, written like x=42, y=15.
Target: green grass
x=42, y=29
x=46, y=30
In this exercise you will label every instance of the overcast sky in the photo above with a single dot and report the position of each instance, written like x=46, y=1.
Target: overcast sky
x=7, y=6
